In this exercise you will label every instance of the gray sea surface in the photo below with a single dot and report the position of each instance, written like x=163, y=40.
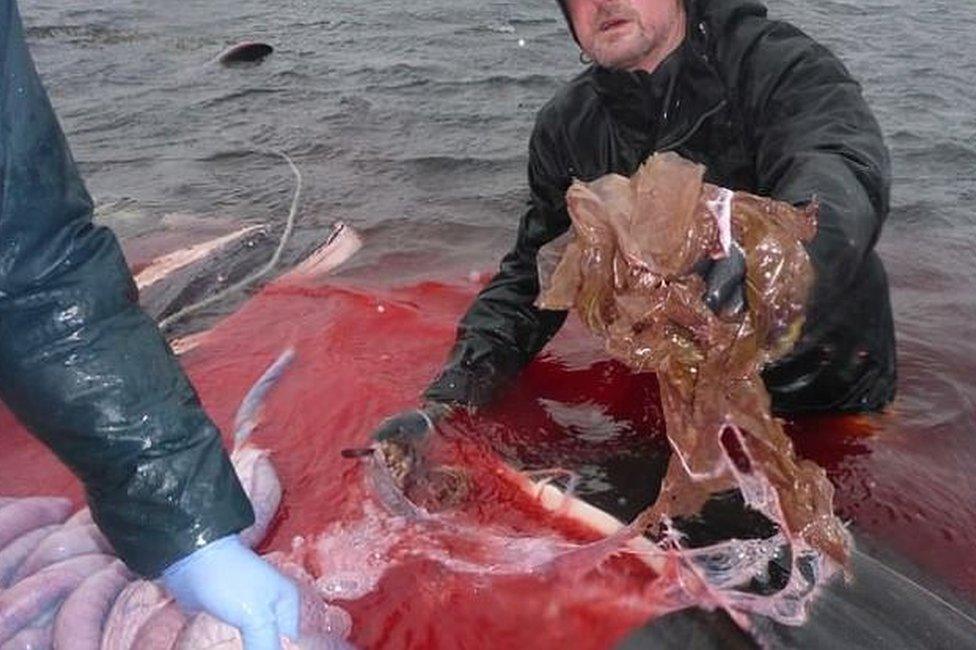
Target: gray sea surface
x=410, y=120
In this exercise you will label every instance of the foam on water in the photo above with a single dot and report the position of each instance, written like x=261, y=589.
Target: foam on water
x=352, y=558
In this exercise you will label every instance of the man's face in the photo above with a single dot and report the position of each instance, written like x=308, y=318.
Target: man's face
x=628, y=34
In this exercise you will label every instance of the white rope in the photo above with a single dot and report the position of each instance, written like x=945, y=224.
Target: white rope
x=165, y=323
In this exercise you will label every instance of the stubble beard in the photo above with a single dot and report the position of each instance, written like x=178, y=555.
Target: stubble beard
x=639, y=45
x=627, y=51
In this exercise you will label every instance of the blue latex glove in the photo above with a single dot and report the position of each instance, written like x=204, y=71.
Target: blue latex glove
x=230, y=582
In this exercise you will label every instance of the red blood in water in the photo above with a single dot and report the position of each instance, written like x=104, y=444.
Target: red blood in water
x=363, y=354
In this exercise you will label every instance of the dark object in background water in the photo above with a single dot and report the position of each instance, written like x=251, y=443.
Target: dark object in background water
x=245, y=52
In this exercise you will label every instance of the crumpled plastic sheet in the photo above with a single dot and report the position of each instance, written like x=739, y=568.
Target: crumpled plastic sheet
x=628, y=269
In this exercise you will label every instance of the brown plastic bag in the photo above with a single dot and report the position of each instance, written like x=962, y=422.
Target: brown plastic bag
x=628, y=270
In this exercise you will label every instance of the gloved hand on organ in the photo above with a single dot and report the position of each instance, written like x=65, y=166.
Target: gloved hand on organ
x=230, y=582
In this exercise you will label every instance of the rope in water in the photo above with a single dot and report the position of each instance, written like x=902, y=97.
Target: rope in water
x=167, y=322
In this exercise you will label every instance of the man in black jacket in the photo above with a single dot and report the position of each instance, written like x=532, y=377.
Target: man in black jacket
x=767, y=110
x=88, y=372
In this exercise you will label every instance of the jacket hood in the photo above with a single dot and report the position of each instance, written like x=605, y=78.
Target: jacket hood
x=569, y=21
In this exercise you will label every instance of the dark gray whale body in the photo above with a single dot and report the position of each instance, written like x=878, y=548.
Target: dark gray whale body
x=245, y=52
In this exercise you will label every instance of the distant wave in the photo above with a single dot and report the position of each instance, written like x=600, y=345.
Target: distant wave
x=422, y=166
x=86, y=34
x=536, y=82
x=238, y=95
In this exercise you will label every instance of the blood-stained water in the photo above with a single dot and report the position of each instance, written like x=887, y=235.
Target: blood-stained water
x=363, y=353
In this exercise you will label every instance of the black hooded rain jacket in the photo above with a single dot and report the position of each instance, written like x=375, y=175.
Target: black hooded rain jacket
x=767, y=110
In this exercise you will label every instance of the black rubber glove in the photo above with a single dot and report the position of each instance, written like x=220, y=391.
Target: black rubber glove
x=410, y=428
x=725, y=279
x=401, y=441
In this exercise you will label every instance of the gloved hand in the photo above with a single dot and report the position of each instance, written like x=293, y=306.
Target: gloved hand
x=725, y=279
x=401, y=441
x=230, y=582
x=410, y=428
